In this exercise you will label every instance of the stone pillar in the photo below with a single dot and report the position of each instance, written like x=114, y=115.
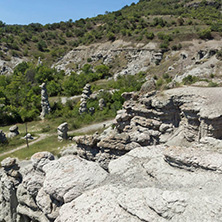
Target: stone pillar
x=85, y=96
x=10, y=178
x=44, y=101
x=62, y=131
x=102, y=104
x=39, y=63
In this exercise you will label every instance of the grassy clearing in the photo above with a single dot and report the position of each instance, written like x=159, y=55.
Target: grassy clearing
x=49, y=144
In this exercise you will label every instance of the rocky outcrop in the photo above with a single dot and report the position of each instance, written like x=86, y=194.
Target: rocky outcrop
x=133, y=58
x=145, y=186
x=38, y=190
x=7, y=67
x=44, y=101
x=151, y=183
x=182, y=116
x=161, y=162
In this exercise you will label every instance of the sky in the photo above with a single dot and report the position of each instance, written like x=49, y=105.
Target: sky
x=25, y=12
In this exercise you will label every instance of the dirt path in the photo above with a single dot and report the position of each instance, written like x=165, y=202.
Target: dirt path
x=93, y=127
x=85, y=129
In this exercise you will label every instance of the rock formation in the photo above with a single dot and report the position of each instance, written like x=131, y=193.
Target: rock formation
x=102, y=104
x=13, y=131
x=184, y=116
x=84, y=97
x=157, y=57
x=10, y=178
x=44, y=101
x=3, y=138
x=62, y=131
x=28, y=136
x=161, y=162
x=4, y=69
x=39, y=62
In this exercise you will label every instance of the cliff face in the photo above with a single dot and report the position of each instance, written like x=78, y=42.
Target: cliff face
x=161, y=162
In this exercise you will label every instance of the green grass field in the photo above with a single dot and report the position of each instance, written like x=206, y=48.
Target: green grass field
x=49, y=144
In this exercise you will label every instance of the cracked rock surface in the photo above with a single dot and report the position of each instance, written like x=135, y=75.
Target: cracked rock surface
x=161, y=162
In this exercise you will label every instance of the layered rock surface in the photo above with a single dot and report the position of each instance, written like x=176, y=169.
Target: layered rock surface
x=161, y=162
x=181, y=116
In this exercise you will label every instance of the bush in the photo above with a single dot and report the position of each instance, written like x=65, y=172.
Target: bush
x=159, y=82
x=150, y=35
x=189, y=80
x=111, y=36
x=176, y=47
x=219, y=55
x=205, y=34
x=212, y=84
x=42, y=46
x=164, y=45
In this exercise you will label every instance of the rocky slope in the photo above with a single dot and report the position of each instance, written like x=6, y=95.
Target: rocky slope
x=161, y=162
x=196, y=58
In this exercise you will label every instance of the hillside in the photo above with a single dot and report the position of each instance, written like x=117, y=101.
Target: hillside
x=180, y=43
x=142, y=22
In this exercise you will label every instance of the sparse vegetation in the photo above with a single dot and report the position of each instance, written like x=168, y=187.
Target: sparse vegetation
x=137, y=22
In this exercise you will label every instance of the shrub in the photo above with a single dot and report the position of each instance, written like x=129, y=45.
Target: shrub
x=111, y=36
x=150, y=35
x=189, y=80
x=205, y=34
x=212, y=84
x=159, y=82
x=42, y=46
x=164, y=45
x=176, y=47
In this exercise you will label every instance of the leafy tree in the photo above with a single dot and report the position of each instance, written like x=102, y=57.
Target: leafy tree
x=111, y=36
x=102, y=70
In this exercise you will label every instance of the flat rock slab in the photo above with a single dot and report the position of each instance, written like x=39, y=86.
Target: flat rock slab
x=207, y=99
x=69, y=176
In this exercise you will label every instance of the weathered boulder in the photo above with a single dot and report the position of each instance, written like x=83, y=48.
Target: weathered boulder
x=146, y=187
x=13, y=131
x=40, y=159
x=148, y=86
x=157, y=57
x=28, y=136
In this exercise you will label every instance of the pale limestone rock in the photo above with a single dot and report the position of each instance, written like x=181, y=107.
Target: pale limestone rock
x=40, y=159
x=13, y=131
x=44, y=101
x=69, y=176
x=62, y=131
